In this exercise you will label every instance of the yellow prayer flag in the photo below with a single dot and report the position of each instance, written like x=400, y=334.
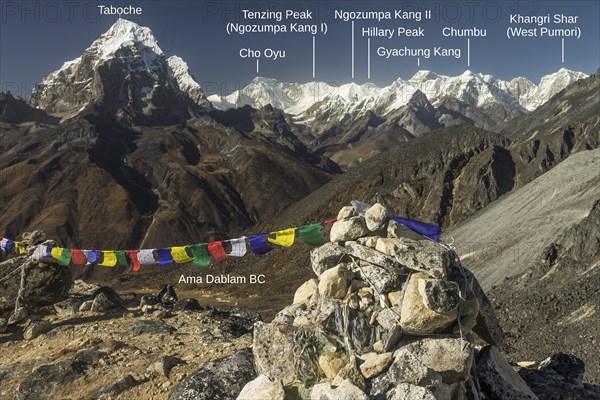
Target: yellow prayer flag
x=109, y=259
x=180, y=256
x=283, y=238
x=20, y=247
x=56, y=252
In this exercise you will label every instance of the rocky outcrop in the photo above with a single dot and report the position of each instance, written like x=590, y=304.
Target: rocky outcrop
x=387, y=318
x=42, y=285
x=218, y=380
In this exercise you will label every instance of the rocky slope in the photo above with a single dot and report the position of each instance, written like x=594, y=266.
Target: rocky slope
x=543, y=275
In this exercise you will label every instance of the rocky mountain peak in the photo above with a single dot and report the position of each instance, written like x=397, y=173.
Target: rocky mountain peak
x=123, y=73
x=124, y=33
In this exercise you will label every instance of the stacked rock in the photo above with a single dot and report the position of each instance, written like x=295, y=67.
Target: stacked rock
x=388, y=317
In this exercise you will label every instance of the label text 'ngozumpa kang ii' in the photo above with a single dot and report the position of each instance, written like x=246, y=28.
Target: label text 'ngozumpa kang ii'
x=379, y=16
x=543, y=28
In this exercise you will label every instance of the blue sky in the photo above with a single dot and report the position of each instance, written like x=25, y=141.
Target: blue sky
x=36, y=37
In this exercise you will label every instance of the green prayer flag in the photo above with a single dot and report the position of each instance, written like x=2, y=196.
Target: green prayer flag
x=65, y=257
x=200, y=253
x=121, y=259
x=311, y=234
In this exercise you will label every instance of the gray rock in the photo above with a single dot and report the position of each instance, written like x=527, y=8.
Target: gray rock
x=151, y=327
x=106, y=299
x=222, y=379
x=499, y=379
x=383, y=281
x=406, y=391
x=114, y=388
x=334, y=282
x=3, y=325
x=36, y=329
x=44, y=381
x=438, y=295
x=262, y=388
x=396, y=230
x=374, y=257
x=18, y=316
x=149, y=300
x=327, y=256
x=346, y=212
x=425, y=256
x=377, y=216
x=164, y=365
x=187, y=305
x=408, y=368
x=67, y=307
x=388, y=318
x=43, y=285
x=346, y=390
x=450, y=357
x=89, y=357
x=348, y=229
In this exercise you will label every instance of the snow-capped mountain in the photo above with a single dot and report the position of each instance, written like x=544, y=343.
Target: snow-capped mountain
x=125, y=71
x=307, y=101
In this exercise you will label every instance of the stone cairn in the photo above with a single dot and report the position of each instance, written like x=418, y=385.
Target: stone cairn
x=388, y=317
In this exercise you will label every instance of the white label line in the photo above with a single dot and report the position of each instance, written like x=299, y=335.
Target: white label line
x=468, y=52
x=369, y=58
x=313, y=56
x=418, y=61
x=352, y=49
x=257, y=65
x=563, y=50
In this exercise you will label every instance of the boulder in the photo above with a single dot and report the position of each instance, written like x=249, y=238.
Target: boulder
x=45, y=284
x=36, y=329
x=374, y=364
x=376, y=217
x=383, y=281
x=44, y=381
x=305, y=292
x=262, y=388
x=217, y=380
x=327, y=256
x=334, y=282
x=346, y=390
x=416, y=317
x=187, y=305
x=426, y=256
x=406, y=391
x=406, y=367
x=487, y=326
x=498, y=379
x=450, y=357
x=105, y=299
x=167, y=296
x=348, y=229
x=375, y=257
x=114, y=388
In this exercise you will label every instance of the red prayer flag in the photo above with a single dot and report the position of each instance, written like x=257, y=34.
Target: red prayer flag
x=217, y=251
x=78, y=258
x=331, y=221
x=133, y=256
